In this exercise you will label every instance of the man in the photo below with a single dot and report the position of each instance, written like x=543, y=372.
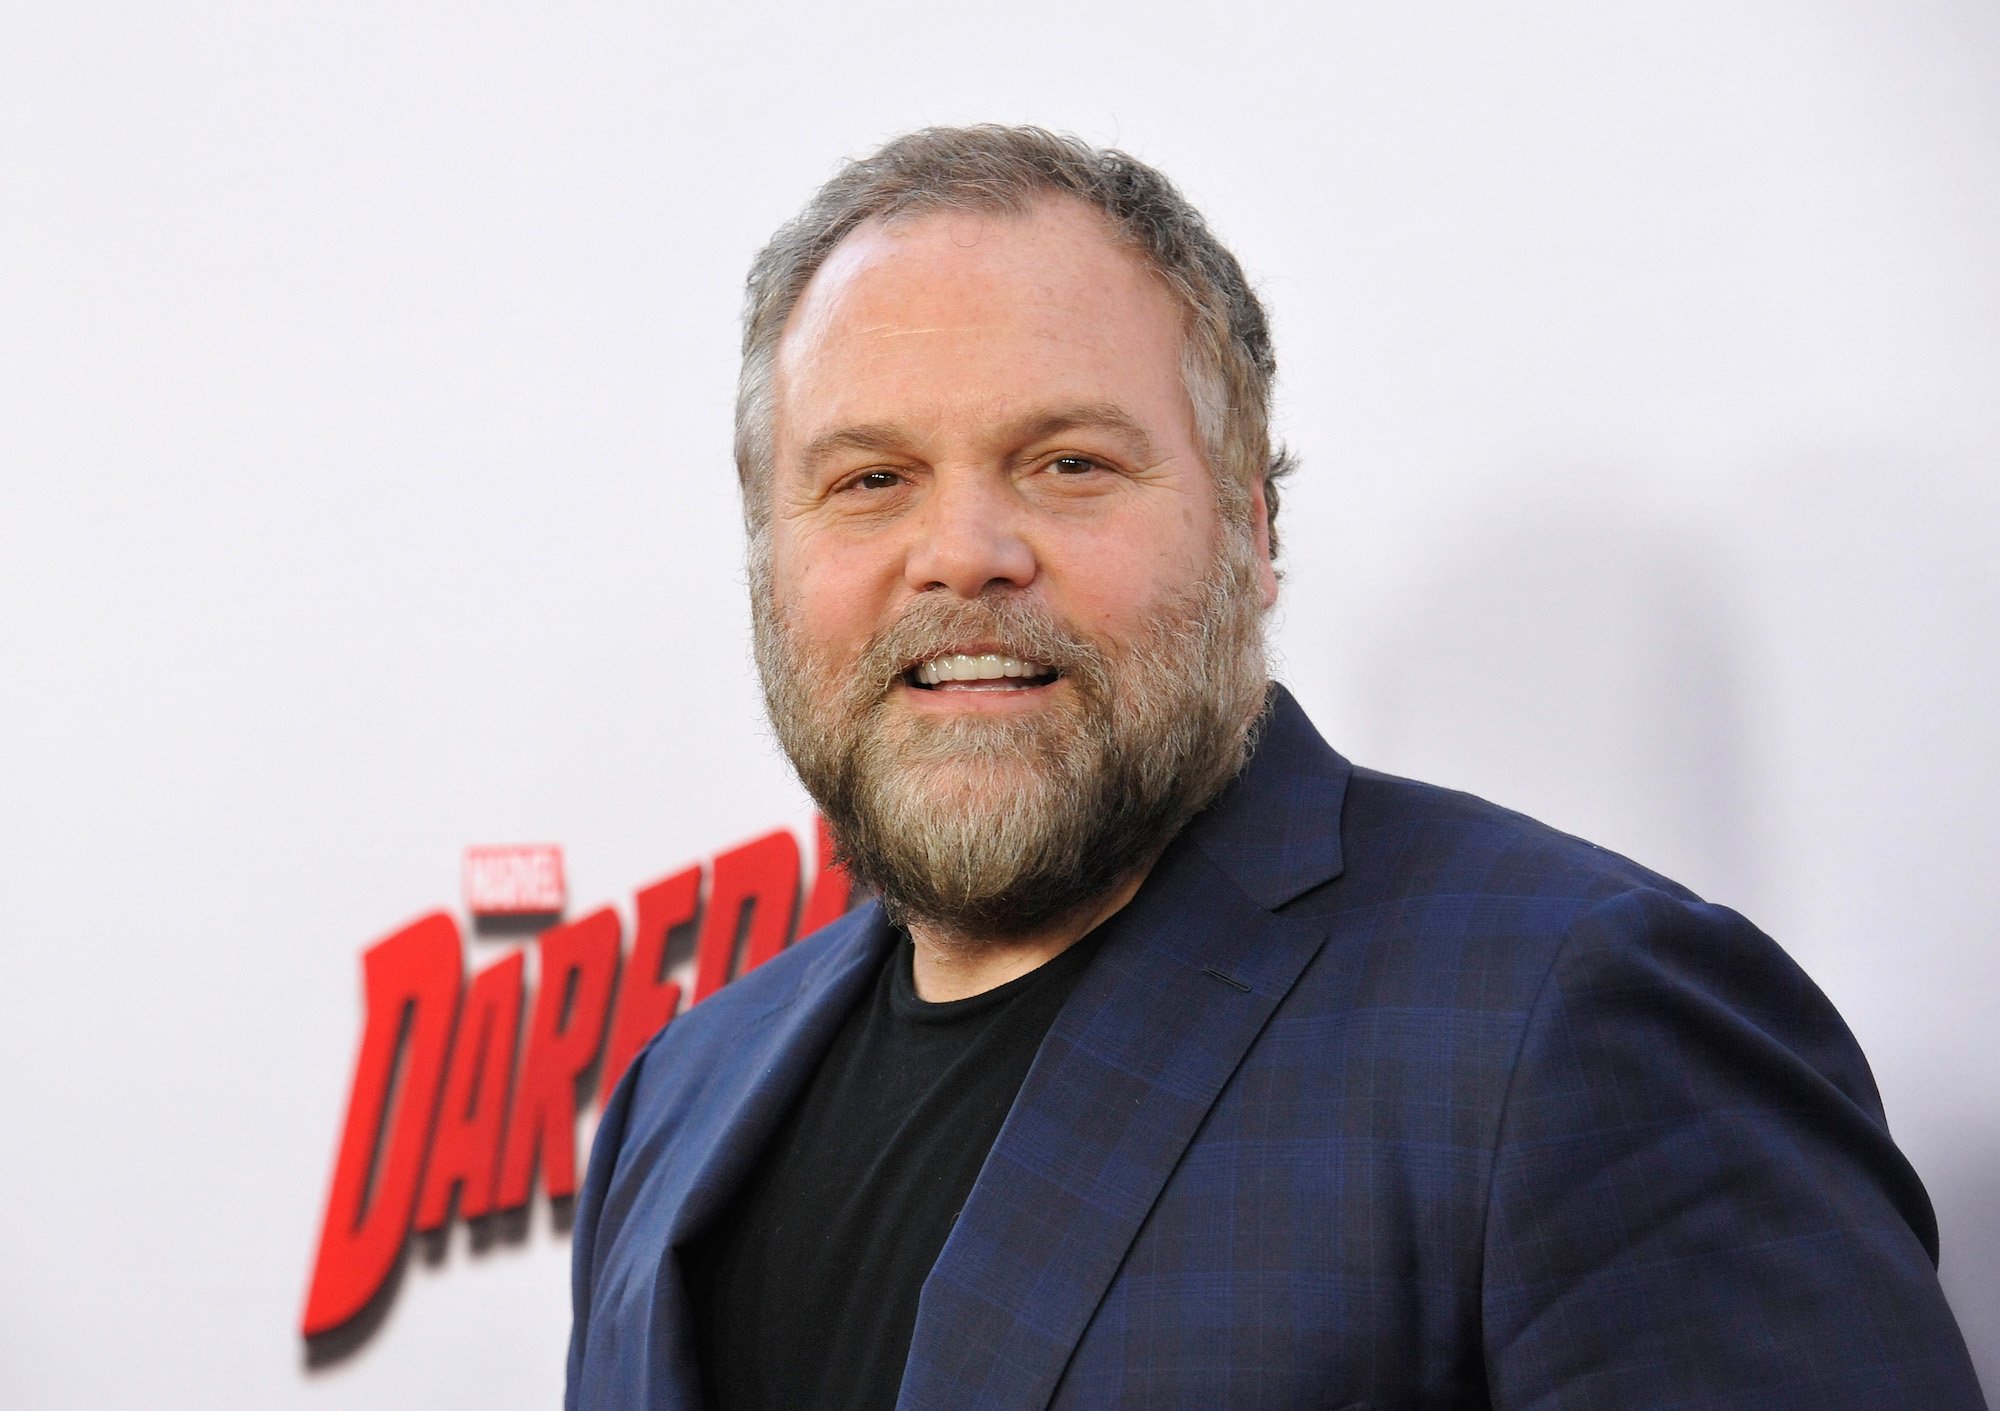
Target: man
x=1180, y=1064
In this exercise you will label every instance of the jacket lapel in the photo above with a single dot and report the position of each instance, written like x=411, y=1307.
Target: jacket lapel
x=675, y=1169
x=779, y=1056
x=1163, y=1017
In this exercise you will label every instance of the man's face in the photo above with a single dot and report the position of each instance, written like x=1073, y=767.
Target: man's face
x=998, y=604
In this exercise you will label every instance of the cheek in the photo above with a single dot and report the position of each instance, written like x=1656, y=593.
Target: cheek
x=834, y=598
x=1118, y=580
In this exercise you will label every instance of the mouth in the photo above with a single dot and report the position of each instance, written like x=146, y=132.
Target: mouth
x=954, y=672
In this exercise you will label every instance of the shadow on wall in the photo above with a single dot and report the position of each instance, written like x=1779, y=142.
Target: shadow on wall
x=1575, y=660
x=1885, y=637
x=1968, y=1202
x=500, y=1229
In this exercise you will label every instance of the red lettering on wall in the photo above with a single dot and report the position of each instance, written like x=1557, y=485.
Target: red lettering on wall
x=832, y=888
x=492, y=1126
x=465, y=1153
x=647, y=999
x=411, y=980
x=762, y=878
x=578, y=964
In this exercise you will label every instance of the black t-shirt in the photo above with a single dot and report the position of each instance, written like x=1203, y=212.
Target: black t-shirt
x=804, y=1290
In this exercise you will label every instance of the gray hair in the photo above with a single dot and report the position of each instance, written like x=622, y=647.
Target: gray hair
x=1227, y=361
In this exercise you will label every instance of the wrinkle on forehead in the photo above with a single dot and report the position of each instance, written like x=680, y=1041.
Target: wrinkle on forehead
x=889, y=330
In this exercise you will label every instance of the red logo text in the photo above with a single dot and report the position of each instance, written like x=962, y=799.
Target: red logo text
x=455, y=1102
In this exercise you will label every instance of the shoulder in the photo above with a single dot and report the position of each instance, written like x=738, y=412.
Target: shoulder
x=1403, y=836
x=1461, y=907
x=1453, y=904
x=1440, y=898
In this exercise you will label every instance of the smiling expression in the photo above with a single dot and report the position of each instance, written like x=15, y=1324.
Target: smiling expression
x=1007, y=634
x=971, y=405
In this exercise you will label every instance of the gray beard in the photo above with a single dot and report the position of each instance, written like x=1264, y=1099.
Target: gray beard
x=983, y=828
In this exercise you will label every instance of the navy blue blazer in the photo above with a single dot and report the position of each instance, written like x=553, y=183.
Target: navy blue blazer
x=1386, y=1097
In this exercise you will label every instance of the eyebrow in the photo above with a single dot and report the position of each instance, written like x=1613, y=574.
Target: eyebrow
x=884, y=438
x=874, y=438
x=1089, y=416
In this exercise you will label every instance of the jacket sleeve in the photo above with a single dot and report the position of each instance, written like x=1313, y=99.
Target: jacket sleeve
x=1695, y=1202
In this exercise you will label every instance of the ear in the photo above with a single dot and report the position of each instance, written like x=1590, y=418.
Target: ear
x=1260, y=537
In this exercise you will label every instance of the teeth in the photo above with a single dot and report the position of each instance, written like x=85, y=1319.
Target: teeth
x=990, y=666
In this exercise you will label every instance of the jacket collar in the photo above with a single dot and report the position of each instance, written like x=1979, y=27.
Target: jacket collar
x=1275, y=831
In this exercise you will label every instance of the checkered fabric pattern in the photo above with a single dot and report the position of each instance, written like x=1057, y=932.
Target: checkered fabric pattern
x=1383, y=1097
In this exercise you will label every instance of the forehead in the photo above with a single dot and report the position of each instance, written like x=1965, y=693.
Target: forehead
x=946, y=306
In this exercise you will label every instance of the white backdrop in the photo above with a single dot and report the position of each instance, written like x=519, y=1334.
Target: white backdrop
x=364, y=389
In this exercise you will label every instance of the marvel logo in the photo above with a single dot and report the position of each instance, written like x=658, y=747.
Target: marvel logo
x=519, y=879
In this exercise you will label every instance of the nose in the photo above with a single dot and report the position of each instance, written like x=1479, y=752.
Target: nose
x=970, y=538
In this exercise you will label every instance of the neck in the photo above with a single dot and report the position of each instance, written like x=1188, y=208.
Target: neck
x=950, y=965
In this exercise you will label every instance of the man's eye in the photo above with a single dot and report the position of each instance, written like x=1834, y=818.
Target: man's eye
x=876, y=480
x=1074, y=465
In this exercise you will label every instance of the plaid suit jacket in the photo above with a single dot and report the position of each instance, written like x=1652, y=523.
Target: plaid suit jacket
x=1388, y=1098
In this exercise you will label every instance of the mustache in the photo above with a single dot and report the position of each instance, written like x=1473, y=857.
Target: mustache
x=934, y=624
